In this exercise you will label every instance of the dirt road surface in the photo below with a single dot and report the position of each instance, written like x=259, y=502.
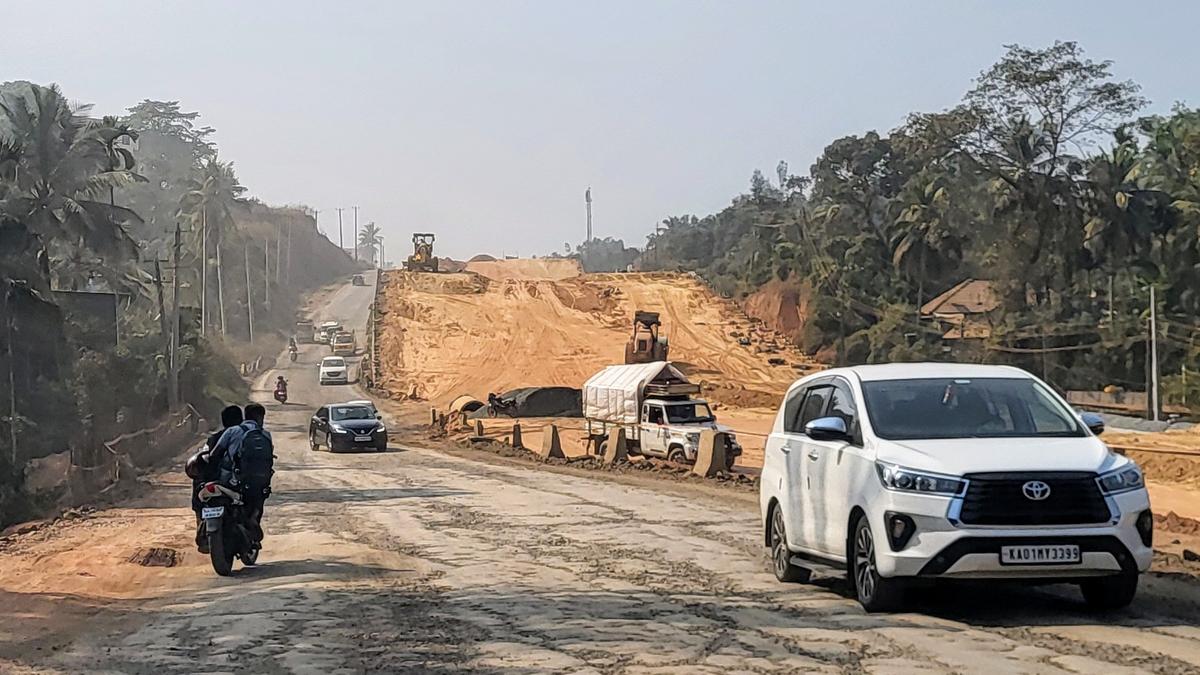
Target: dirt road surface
x=434, y=559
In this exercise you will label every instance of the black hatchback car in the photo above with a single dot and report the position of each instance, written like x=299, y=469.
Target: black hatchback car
x=347, y=426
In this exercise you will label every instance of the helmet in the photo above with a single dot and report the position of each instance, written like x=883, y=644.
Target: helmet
x=196, y=464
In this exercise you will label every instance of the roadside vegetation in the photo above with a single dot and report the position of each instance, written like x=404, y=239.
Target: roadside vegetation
x=92, y=276
x=1044, y=181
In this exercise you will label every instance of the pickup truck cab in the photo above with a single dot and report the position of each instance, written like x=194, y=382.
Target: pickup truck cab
x=672, y=428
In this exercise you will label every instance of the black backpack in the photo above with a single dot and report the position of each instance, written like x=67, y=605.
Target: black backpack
x=256, y=460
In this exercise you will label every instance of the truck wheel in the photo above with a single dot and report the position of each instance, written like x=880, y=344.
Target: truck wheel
x=677, y=455
x=602, y=447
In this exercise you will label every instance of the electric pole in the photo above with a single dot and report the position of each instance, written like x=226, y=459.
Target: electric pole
x=267, y=273
x=249, y=305
x=355, y=242
x=1153, y=356
x=587, y=198
x=341, y=239
x=173, y=360
x=204, y=271
x=11, y=315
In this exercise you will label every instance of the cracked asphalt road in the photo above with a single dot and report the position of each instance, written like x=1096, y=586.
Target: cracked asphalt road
x=436, y=559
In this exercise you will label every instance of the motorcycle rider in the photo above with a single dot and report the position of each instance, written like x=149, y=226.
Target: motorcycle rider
x=205, y=467
x=236, y=469
x=280, y=387
x=293, y=348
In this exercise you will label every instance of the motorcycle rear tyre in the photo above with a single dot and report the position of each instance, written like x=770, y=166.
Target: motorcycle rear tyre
x=250, y=559
x=222, y=562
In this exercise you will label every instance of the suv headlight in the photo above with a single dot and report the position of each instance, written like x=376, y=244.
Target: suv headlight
x=692, y=438
x=380, y=427
x=337, y=428
x=906, y=480
x=1126, y=478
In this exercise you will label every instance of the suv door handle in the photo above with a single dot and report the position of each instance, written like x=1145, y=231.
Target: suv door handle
x=814, y=455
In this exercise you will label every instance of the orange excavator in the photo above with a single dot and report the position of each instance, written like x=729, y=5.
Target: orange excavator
x=646, y=345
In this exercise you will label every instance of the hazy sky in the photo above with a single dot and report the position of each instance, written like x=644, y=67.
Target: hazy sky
x=485, y=121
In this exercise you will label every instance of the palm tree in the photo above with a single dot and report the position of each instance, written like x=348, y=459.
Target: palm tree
x=110, y=130
x=369, y=240
x=208, y=206
x=53, y=168
x=922, y=238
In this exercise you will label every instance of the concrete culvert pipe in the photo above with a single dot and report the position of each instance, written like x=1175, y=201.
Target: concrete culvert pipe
x=465, y=404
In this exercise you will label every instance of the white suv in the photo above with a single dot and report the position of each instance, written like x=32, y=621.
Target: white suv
x=333, y=370
x=921, y=471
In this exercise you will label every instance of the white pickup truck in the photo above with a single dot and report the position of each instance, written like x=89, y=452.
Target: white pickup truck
x=655, y=404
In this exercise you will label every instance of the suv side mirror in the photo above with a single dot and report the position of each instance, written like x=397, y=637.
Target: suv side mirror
x=827, y=429
x=1093, y=422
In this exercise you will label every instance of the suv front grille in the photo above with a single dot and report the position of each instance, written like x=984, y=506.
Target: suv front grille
x=999, y=499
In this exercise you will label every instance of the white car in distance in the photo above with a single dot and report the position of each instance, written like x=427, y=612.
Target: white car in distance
x=333, y=370
x=904, y=472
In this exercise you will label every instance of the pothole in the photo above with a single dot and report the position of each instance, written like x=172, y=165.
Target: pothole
x=155, y=557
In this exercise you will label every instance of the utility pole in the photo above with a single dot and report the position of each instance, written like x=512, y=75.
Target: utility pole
x=173, y=360
x=381, y=253
x=278, y=251
x=287, y=273
x=267, y=273
x=355, y=242
x=11, y=315
x=341, y=239
x=587, y=198
x=249, y=304
x=204, y=271
x=1154, y=404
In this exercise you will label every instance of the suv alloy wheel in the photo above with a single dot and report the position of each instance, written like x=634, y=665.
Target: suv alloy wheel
x=781, y=563
x=875, y=593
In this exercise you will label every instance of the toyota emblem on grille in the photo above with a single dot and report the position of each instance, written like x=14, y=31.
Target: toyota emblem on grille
x=1036, y=490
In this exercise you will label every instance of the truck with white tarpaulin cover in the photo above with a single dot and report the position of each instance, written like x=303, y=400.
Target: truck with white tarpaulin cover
x=657, y=407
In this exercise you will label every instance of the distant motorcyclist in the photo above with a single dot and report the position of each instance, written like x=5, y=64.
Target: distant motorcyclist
x=281, y=391
x=292, y=346
x=203, y=467
x=247, y=462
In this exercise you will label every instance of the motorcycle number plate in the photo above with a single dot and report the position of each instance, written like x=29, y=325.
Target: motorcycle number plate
x=212, y=512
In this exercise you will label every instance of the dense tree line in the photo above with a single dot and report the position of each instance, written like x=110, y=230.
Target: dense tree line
x=1043, y=181
x=94, y=204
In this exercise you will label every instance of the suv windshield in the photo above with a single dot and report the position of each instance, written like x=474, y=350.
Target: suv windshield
x=341, y=413
x=689, y=413
x=966, y=408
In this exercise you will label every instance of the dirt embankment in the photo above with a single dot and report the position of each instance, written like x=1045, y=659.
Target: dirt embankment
x=540, y=322
x=782, y=306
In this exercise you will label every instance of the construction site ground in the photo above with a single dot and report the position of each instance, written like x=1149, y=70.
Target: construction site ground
x=445, y=556
x=513, y=323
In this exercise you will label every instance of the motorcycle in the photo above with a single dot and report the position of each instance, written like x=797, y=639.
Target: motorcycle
x=498, y=405
x=281, y=395
x=224, y=515
x=292, y=354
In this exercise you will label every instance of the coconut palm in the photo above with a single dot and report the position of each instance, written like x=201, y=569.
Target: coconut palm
x=54, y=166
x=208, y=205
x=369, y=239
